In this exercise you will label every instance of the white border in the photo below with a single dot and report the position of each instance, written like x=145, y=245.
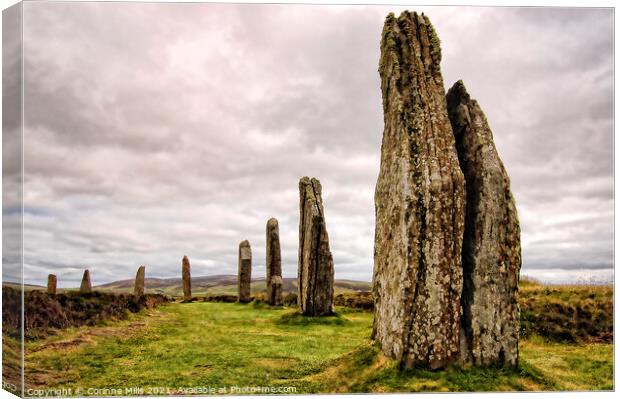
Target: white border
x=487, y=3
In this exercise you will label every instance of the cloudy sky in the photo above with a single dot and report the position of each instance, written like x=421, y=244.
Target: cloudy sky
x=155, y=131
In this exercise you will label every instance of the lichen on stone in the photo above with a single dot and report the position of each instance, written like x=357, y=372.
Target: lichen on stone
x=491, y=254
x=419, y=188
x=315, y=262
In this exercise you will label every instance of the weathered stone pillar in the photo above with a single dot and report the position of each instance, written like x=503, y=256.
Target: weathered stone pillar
x=419, y=203
x=245, y=271
x=491, y=243
x=138, y=288
x=316, y=266
x=187, y=279
x=273, y=264
x=86, y=286
x=51, y=284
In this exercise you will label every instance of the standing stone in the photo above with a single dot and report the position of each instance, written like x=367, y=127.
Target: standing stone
x=86, y=286
x=187, y=279
x=419, y=203
x=274, y=264
x=315, y=279
x=138, y=288
x=245, y=271
x=491, y=243
x=52, y=281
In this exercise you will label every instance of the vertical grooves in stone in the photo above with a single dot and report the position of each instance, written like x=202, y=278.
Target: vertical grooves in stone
x=273, y=264
x=316, y=268
x=491, y=254
x=317, y=225
x=420, y=208
x=419, y=203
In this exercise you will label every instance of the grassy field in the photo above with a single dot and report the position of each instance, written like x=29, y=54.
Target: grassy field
x=222, y=346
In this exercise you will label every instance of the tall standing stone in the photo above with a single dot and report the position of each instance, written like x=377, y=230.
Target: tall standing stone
x=187, y=279
x=86, y=286
x=273, y=264
x=52, y=281
x=419, y=203
x=245, y=271
x=138, y=288
x=491, y=243
x=315, y=278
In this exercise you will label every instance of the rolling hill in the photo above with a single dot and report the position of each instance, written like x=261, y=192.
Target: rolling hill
x=219, y=285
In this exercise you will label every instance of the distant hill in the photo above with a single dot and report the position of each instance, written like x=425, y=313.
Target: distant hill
x=220, y=284
x=215, y=285
x=27, y=287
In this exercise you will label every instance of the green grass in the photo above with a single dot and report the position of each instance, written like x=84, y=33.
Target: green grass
x=222, y=345
x=573, y=367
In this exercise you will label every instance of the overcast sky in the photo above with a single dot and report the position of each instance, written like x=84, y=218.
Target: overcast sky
x=155, y=131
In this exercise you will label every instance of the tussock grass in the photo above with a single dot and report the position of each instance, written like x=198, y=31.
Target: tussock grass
x=566, y=313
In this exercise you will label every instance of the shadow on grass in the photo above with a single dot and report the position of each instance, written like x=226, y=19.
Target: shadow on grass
x=295, y=318
x=260, y=304
x=493, y=379
x=366, y=370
